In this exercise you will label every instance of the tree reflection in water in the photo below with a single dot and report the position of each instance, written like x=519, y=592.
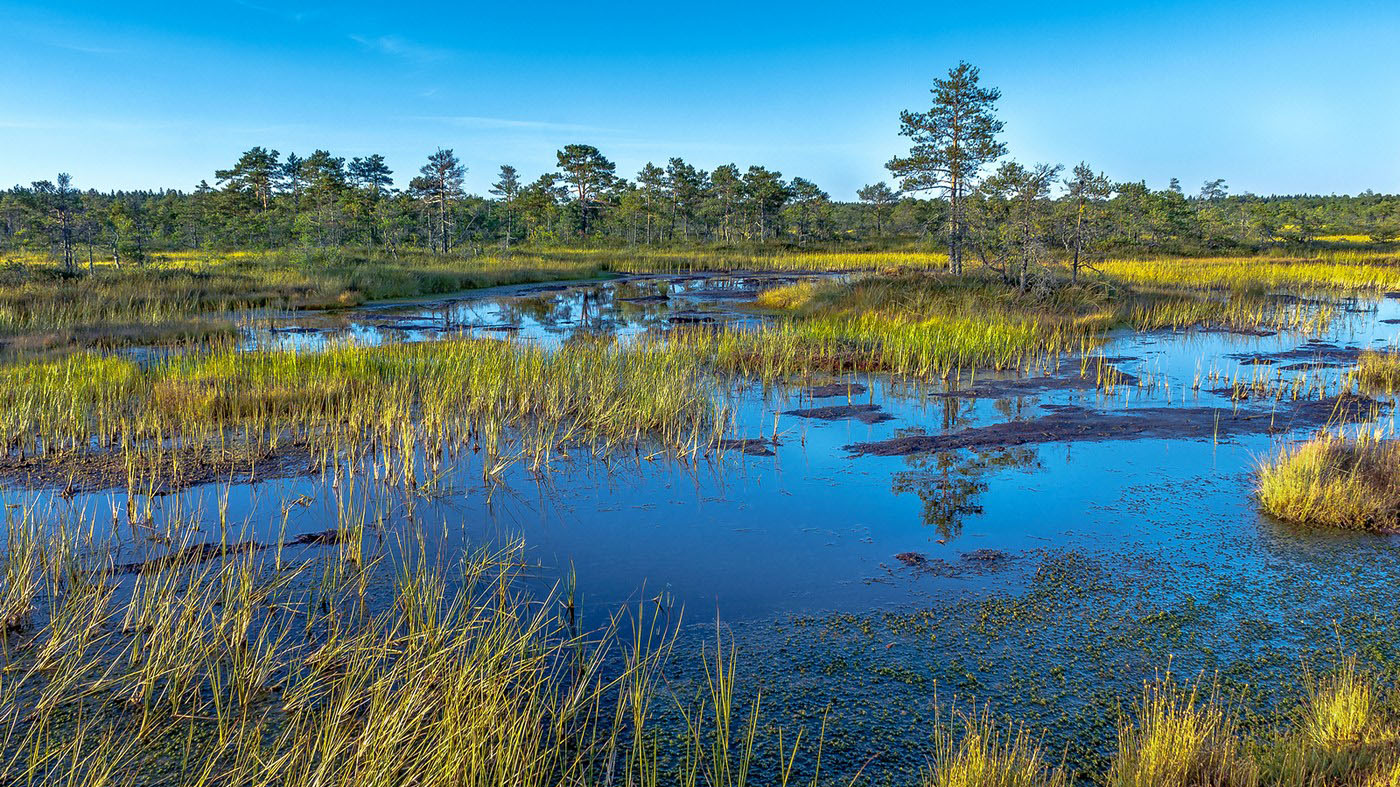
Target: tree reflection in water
x=950, y=482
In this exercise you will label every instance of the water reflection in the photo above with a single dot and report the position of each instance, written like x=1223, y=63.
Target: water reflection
x=949, y=484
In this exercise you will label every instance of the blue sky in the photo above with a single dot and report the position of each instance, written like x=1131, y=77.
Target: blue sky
x=1274, y=97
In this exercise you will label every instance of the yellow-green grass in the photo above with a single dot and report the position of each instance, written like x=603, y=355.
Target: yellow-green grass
x=1369, y=272
x=647, y=260
x=510, y=402
x=1345, y=731
x=1377, y=372
x=255, y=671
x=1180, y=736
x=935, y=323
x=980, y=752
x=1334, y=481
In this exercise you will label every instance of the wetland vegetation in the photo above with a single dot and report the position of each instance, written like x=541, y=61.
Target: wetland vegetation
x=307, y=477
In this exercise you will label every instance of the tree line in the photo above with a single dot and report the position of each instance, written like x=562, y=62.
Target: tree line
x=955, y=186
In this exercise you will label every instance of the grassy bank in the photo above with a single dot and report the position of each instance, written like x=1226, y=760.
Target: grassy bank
x=930, y=324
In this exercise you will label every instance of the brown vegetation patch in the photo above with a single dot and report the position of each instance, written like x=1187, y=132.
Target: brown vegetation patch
x=832, y=390
x=1002, y=389
x=865, y=413
x=749, y=445
x=1071, y=423
x=172, y=470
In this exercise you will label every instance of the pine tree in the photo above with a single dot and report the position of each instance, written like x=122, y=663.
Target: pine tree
x=437, y=187
x=589, y=174
x=952, y=142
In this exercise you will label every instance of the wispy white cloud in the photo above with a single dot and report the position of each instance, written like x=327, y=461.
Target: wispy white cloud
x=396, y=46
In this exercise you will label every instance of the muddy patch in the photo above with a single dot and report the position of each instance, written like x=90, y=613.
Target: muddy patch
x=83, y=472
x=833, y=390
x=202, y=553
x=716, y=294
x=1258, y=333
x=865, y=413
x=1004, y=389
x=321, y=538
x=188, y=556
x=747, y=445
x=691, y=319
x=1071, y=423
x=1314, y=353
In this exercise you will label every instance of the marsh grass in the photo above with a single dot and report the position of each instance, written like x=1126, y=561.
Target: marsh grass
x=1377, y=372
x=249, y=671
x=931, y=325
x=183, y=297
x=413, y=406
x=1180, y=736
x=977, y=751
x=1344, y=732
x=189, y=296
x=1334, y=481
x=647, y=260
x=89, y=421
x=1335, y=271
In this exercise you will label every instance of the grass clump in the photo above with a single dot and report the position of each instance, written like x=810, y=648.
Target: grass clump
x=1377, y=372
x=1180, y=738
x=1344, y=733
x=1336, y=482
x=984, y=755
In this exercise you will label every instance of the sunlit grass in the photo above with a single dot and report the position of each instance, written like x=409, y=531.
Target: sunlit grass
x=1332, y=271
x=257, y=672
x=1344, y=732
x=979, y=752
x=1179, y=737
x=1378, y=372
x=929, y=324
x=1334, y=481
x=425, y=402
